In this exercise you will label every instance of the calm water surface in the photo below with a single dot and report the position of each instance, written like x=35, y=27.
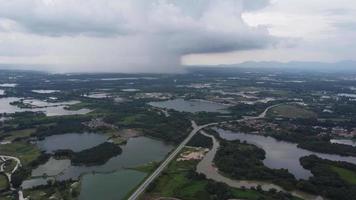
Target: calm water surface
x=137, y=151
x=97, y=95
x=280, y=154
x=50, y=109
x=45, y=91
x=8, y=85
x=72, y=141
x=5, y=106
x=52, y=167
x=132, y=155
x=112, y=186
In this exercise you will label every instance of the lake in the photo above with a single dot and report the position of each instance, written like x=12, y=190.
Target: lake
x=72, y=141
x=127, y=78
x=52, y=167
x=192, y=106
x=130, y=90
x=5, y=106
x=346, y=95
x=45, y=91
x=115, y=180
x=97, y=95
x=8, y=85
x=50, y=109
x=112, y=186
x=280, y=154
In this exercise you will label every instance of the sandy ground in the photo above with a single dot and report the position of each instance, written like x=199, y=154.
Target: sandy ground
x=193, y=154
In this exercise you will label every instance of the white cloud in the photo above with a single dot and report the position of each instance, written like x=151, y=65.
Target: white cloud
x=326, y=29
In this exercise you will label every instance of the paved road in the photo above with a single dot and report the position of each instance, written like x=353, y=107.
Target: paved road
x=3, y=159
x=195, y=130
x=164, y=164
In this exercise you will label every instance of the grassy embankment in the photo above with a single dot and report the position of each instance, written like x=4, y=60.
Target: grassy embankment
x=291, y=111
x=345, y=174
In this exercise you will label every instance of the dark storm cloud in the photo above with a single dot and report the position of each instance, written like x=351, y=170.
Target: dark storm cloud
x=133, y=34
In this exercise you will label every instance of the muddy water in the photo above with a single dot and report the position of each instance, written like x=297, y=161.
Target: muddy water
x=206, y=166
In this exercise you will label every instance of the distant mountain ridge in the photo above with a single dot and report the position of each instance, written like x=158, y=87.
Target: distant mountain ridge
x=294, y=65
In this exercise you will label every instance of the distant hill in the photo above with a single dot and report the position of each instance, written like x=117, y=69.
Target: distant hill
x=343, y=66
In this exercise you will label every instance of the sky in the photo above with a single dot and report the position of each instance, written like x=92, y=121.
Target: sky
x=161, y=36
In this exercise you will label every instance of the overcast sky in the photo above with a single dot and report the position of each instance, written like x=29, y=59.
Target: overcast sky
x=161, y=35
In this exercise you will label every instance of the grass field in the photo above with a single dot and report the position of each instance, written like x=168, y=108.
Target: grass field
x=19, y=134
x=24, y=151
x=174, y=182
x=291, y=111
x=78, y=106
x=246, y=194
x=3, y=182
x=147, y=168
x=131, y=119
x=347, y=175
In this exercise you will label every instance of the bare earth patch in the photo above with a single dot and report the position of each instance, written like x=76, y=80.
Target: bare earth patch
x=192, y=153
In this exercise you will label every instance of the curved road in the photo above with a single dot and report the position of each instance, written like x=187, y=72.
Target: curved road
x=3, y=159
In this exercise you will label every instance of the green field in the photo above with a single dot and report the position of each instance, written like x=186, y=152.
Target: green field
x=24, y=151
x=78, y=106
x=175, y=182
x=246, y=194
x=3, y=182
x=347, y=175
x=291, y=111
x=20, y=134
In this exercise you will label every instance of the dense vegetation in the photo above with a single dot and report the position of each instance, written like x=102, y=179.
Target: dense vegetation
x=173, y=129
x=138, y=115
x=200, y=140
x=23, y=172
x=327, y=147
x=63, y=125
x=181, y=181
x=307, y=140
x=335, y=180
x=245, y=161
x=66, y=190
x=97, y=155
